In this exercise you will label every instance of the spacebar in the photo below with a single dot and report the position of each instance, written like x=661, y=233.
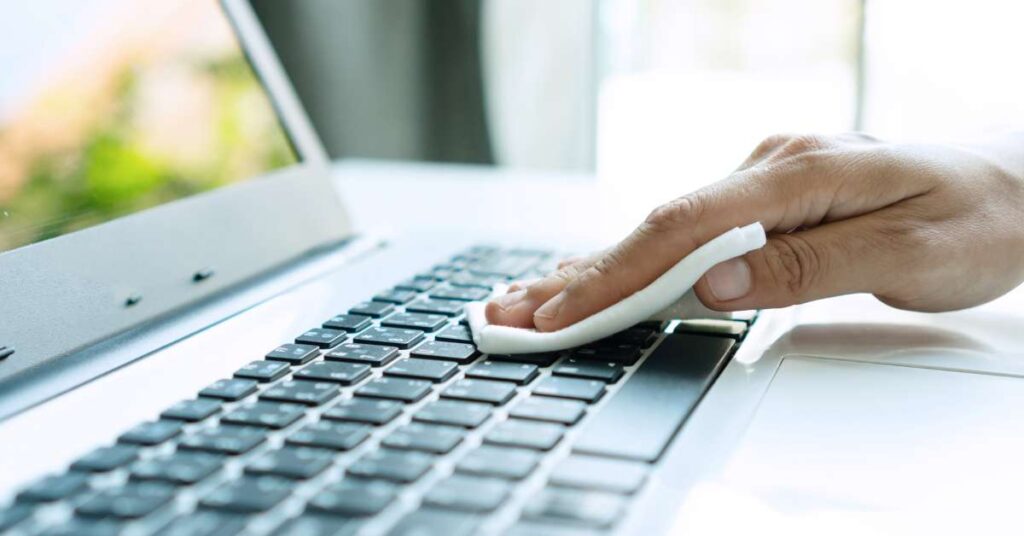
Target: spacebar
x=643, y=416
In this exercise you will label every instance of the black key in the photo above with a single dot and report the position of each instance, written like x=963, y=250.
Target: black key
x=602, y=474
x=455, y=413
x=468, y=493
x=424, y=369
x=230, y=440
x=322, y=337
x=372, y=308
x=541, y=359
x=406, y=390
x=585, y=507
x=509, y=266
x=248, y=495
x=82, y=526
x=459, y=293
x=433, y=522
x=425, y=437
x=338, y=372
x=452, y=351
x=235, y=389
x=540, y=408
x=525, y=434
x=424, y=321
x=106, y=459
x=576, y=388
x=513, y=464
x=263, y=371
x=396, y=296
x=192, y=410
x=330, y=435
x=521, y=373
x=126, y=502
x=353, y=497
x=294, y=354
x=481, y=391
x=401, y=338
x=204, y=523
x=178, y=468
x=636, y=336
x=297, y=463
x=267, y=414
x=441, y=307
x=320, y=525
x=733, y=329
x=644, y=415
x=54, y=488
x=553, y=528
x=418, y=283
x=301, y=392
x=14, y=514
x=349, y=323
x=372, y=355
x=466, y=279
x=364, y=410
x=395, y=466
x=625, y=355
x=151, y=433
x=605, y=371
x=456, y=333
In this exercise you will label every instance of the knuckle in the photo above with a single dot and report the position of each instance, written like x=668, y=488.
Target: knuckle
x=772, y=142
x=683, y=212
x=794, y=264
x=804, y=143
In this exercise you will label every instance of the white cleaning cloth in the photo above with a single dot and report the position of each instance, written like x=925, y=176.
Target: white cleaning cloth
x=667, y=294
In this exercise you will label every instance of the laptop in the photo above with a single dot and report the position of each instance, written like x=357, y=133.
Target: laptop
x=244, y=361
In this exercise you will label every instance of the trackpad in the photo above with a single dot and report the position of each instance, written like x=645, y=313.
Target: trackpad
x=838, y=436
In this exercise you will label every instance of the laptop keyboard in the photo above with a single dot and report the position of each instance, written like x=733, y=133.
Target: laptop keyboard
x=386, y=419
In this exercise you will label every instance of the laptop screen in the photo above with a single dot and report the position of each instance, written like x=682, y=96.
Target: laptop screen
x=108, y=107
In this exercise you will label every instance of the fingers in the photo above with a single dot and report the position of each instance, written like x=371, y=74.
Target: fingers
x=516, y=308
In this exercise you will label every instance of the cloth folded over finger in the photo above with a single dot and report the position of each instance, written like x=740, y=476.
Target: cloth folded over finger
x=666, y=297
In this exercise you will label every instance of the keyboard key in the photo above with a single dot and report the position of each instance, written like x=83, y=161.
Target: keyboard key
x=294, y=354
x=235, y=389
x=553, y=528
x=605, y=371
x=541, y=359
x=82, y=526
x=433, y=522
x=106, y=459
x=395, y=466
x=639, y=336
x=178, y=468
x=452, y=351
x=401, y=338
x=353, y=497
x=248, y=495
x=504, y=265
x=481, y=391
x=485, y=282
x=320, y=525
x=372, y=308
x=525, y=434
x=459, y=293
x=424, y=321
x=364, y=410
x=424, y=437
x=338, y=372
x=297, y=463
x=716, y=327
x=455, y=413
x=586, y=507
x=586, y=390
x=14, y=514
x=539, y=408
x=424, y=369
x=330, y=435
x=263, y=371
x=419, y=284
x=267, y=414
x=677, y=373
x=456, y=333
x=302, y=392
x=322, y=337
x=441, y=307
x=151, y=433
x=624, y=355
x=375, y=356
x=205, y=523
x=349, y=323
x=468, y=493
x=406, y=390
x=192, y=410
x=126, y=502
x=396, y=296
x=232, y=440
x=521, y=373
x=602, y=474
x=54, y=488
x=514, y=464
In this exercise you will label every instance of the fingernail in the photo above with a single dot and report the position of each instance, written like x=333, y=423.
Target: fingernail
x=509, y=300
x=550, y=309
x=730, y=280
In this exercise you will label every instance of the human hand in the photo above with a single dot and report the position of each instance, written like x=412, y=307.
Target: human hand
x=922, y=227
